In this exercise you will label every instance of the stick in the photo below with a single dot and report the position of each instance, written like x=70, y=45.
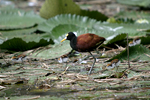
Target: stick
x=128, y=52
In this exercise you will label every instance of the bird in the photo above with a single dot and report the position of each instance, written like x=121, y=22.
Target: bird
x=110, y=66
x=84, y=43
x=113, y=64
x=136, y=41
x=63, y=59
x=19, y=58
x=131, y=44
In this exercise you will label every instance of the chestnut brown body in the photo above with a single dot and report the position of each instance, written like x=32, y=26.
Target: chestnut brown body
x=88, y=42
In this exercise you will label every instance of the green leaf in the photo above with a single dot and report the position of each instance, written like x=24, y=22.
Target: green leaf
x=118, y=38
x=142, y=3
x=94, y=15
x=135, y=52
x=145, y=40
x=10, y=8
x=51, y=8
x=55, y=52
x=20, y=33
x=131, y=29
x=57, y=7
x=120, y=20
x=23, y=39
x=17, y=19
x=28, y=42
x=135, y=15
x=66, y=19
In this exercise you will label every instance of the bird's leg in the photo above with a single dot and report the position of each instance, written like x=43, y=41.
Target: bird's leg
x=66, y=63
x=92, y=64
x=70, y=53
x=116, y=69
x=80, y=61
x=67, y=67
x=97, y=50
x=110, y=74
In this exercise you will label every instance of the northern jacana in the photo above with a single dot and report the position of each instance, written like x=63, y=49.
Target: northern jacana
x=136, y=41
x=63, y=59
x=19, y=58
x=113, y=64
x=85, y=43
x=110, y=66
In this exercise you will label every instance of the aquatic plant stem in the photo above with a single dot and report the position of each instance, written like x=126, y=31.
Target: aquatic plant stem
x=128, y=52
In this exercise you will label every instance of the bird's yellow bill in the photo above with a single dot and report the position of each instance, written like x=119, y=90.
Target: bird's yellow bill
x=63, y=40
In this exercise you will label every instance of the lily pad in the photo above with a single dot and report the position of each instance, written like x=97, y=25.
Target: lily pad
x=20, y=33
x=32, y=41
x=145, y=40
x=120, y=20
x=94, y=14
x=131, y=29
x=17, y=19
x=115, y=39
x=134, y=15
x=63, y=7
x=66, y=19
x=51, y=8
x=135, y=52
x=55, y=52
x=141, y=3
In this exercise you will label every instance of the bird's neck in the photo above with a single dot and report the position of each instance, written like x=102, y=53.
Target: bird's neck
x=73, y=43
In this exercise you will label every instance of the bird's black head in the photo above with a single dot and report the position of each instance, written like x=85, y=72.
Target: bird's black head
x=69, y=36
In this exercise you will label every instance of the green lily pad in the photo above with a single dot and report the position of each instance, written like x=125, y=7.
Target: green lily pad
x=131, y=29
x=31, y=41
x=94, y=14
x=135, y=52
x=145, y=40
x=117, y=38
x=55, y=52
x=51, y=8
x=23, y=39
x=134, y=15
x=17, y=19
x=20, y=33
x=66, y=19
x=120, y=20
x=141, y=3
x=63, y=7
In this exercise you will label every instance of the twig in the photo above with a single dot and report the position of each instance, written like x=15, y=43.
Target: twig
x=36, y=97
x=147, y=55
x=128, y=52
x=107, y=47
